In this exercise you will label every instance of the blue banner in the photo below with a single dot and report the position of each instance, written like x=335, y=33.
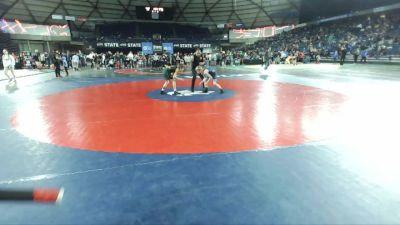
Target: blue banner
x=147, y=48
x=168, y=47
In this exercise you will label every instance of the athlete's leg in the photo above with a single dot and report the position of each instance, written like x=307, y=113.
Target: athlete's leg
x=6, y=69
x=215, y=82
x=202, y=78
x=205, y=84
x=12, y=72
x=164, y=86
x=194, y=76
x=174, y=86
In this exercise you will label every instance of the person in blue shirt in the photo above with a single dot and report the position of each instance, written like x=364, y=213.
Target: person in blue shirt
x=65, y=64
x=335, y=55
x=364, y=55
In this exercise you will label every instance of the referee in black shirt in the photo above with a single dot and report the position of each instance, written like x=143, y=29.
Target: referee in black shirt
x=197, y=60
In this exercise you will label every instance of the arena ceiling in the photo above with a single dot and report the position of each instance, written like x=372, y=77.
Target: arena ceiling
x=205, y=13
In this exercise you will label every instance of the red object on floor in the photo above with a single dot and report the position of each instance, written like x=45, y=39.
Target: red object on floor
x=47, y=195
x=120, y=117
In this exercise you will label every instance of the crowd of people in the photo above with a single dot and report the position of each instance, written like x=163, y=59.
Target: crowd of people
x=374, y=36
x=43, y=60
x=121, y=60
x=365, y=37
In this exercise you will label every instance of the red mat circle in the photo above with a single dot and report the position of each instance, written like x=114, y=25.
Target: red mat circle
x=119, y=117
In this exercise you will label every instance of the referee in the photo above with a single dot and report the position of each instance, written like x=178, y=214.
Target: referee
x=197, y=60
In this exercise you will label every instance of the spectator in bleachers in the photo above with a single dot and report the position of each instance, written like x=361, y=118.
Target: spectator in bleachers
x=364, y=55
x=343, y=52
x=356, y=53
x=378, y=34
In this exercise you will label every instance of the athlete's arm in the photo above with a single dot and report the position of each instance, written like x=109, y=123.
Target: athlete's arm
x=207, y=77
x=202, y=81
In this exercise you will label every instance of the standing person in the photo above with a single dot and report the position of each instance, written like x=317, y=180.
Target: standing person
x=317, y=59
x=75, y=61
x=356, y=53
x=47, y=58
x=65, y=64
x=335, y=55
x=57, y=64
x=8, y=64
x=103, y=60
x=129, y=58
x=42, y=60
x=91, y=58
x=266, y=60
x=364, y=55
x=343, y=52
x=177, y=59
x=197, y=60
x=171, y=73
x=35, y=59
x=208, y=75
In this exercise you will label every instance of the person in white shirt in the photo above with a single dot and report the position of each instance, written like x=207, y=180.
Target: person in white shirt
x=91, y=58
x=8, y=64
x=156, y=57
x=129, y=58
x=75, y=62
x=103, y=60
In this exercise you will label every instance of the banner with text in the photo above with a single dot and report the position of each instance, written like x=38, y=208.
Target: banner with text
x=150, y=47
x=119, y=45
x=190, y=45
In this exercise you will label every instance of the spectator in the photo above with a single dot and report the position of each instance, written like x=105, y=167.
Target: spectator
x=364, y=55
